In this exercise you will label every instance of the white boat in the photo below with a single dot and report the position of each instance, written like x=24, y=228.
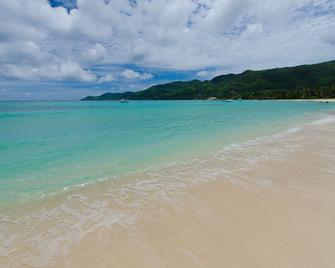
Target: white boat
x=124, y=101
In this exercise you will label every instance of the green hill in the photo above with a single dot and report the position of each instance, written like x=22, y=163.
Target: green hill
x=301, y=82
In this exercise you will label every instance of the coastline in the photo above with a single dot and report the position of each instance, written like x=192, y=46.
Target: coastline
x=313, y=100
x=278, y=212
x=268, y=202
x=167, y=134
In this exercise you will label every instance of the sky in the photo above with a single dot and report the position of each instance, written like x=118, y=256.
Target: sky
x=68, y=49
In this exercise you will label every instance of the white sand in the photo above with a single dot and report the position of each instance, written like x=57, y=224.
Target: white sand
x=278, y=212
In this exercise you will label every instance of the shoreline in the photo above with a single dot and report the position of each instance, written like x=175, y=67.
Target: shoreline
x=313, y=100
x=230, y=210
x=277, y=212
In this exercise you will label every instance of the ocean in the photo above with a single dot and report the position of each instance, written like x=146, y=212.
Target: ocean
x=47, y=147
x=70, y=163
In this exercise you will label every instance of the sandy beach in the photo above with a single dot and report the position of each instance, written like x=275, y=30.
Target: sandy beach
x=316, y=100
x=269, y=202
x=276, y=211
x=167, y=134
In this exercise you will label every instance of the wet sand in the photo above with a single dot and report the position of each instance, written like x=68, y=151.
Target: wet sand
x=267, y=203
x=278, y=212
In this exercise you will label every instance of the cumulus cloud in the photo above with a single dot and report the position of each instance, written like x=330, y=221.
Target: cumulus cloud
x=131, y=74
x=71, y=40
x=65, y=71
x=106, y=78
x=95, y=54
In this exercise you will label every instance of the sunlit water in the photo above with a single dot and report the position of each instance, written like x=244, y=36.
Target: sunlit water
x=47, y=147
x=69, y=169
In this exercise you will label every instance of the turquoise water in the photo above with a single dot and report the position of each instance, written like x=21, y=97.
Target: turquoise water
x=47, y=147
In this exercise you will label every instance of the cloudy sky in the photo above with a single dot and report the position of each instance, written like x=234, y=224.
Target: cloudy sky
x=67, y=49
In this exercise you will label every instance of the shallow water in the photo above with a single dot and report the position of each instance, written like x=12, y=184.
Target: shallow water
x=47, y=147
x=70, y=169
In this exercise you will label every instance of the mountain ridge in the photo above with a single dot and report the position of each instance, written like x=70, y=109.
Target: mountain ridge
x=300, y=82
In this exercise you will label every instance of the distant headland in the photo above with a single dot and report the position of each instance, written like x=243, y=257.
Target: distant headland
x=316, y=81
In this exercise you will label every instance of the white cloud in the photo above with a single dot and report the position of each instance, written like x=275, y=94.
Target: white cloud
x=72, y=71
x=106, y=78
x=95, y=54
x=131, y=74
x=68, y=71
x=39, y=42
x=146, y=76
x=202, y=73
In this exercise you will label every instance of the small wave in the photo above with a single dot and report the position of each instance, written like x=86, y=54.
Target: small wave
x=325, y=120
x=47, y=229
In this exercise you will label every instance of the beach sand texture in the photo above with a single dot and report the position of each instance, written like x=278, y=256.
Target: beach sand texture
x=277, y=212
x=272, y=205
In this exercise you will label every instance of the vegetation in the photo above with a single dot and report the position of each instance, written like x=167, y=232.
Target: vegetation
x=301, y=82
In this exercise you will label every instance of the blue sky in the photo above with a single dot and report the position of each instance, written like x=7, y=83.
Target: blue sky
x=67, y=49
